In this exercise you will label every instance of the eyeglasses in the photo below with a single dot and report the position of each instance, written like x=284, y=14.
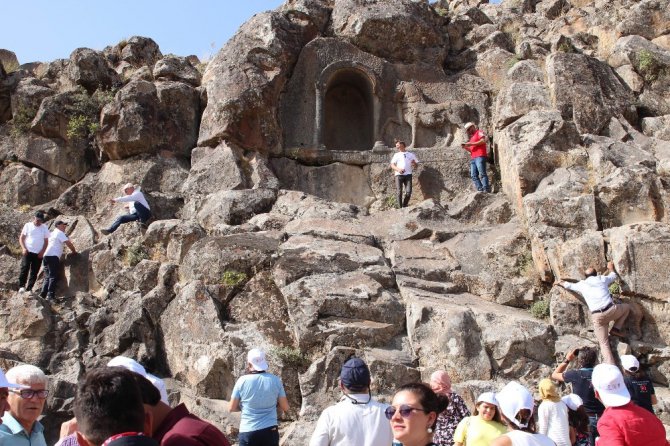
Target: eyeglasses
x=27, y=394
x=405, y=411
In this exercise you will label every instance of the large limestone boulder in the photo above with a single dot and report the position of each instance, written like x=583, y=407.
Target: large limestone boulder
x=587, y=91
x=179, y=117
x=295, y=204
x=374, y=24
x=245, y=79
x=658, y=127
x=128, y=125
x=639, y=251
x=519, y=98
x=213, y=169
x=231, y=207
x=89, y=69
x=24, y=325
x=67, y=160
x=28, y=95
x=140, y=51
x=177, y=69
x=648, y=18
x=334, y=182
x=350, y=309
x=25, y=185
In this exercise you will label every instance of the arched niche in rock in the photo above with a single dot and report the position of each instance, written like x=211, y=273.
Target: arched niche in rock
x=347, y=107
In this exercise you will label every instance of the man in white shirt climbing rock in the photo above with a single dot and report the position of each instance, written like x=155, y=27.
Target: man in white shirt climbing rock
x=138, y=208
x=595, y=290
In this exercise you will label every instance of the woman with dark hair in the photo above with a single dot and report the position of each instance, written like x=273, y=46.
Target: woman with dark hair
x=578, y=420
x=516, y=407
x=638, y=383
x=440, y=382
x=413, y=414
x=484, y=426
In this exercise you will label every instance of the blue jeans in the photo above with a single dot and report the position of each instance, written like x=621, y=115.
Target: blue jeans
x=478, y=169
x=51, y=269
x=262, y=437
x=141, y=213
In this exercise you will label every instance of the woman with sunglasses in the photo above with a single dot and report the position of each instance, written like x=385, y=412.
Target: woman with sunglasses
x=516, y=408
x=484, y=426
x=413, y=414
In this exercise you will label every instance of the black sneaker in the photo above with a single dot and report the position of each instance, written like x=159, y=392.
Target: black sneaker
x=105, y=231
x=43, y=295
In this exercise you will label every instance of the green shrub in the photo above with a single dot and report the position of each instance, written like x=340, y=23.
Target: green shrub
x=84, y=112
x=77, y=127
x=525, y=264
x=233, y=278
x=290, y=356
x=615, y=288
x=540, y=309
x=648, y=66
x=391, y=202
x=22, y=119
x=136, y=253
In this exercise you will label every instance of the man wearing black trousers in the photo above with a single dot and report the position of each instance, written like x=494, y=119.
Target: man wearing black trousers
x=33, y=241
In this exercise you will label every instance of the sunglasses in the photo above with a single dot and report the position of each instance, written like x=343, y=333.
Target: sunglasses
x=405, y=411
x=27, y=394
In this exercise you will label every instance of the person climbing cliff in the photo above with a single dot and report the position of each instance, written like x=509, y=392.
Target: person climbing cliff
x=138, y=208
x=595, y=290
x=476, y=146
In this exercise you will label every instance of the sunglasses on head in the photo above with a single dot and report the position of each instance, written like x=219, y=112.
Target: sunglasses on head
x=30, y=393
x=405, y=411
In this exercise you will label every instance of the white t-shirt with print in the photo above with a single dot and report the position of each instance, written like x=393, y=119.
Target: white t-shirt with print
x=404, y=160
x=35, y=236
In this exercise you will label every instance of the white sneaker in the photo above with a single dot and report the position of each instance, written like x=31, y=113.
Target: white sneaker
x=22, y=290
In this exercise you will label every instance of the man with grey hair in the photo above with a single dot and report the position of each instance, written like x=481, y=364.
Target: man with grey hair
x=138, y=208
x=19, y=425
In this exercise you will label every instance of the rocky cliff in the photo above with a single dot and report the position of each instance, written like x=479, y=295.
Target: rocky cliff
x=274, y=222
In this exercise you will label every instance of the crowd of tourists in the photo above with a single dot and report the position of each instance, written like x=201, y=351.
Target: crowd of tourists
x=122, y=405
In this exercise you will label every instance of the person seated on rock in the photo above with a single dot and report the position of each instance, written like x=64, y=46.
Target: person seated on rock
x=138, y=208
x=257, y=394
x=639, y=385
x=19, y=424
x=357, y=419
x=109, y=411
x=516, y=406
x=413, y=414
x=440, y=382
x=51, y=260
x=623, y=423
x=402, y=164
x=595, y=290
x=5, y=385
x=33, y=240
x=476, y=146
x=580, y=379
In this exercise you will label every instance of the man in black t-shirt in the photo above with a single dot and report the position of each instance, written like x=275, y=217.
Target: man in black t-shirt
x=639, y=385
x=581, y=384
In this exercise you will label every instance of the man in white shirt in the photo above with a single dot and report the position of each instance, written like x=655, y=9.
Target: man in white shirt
x=357, y=419
x=402, y=164
x=33, y=241
x=52, y=258
x=596, y=293
x=138, y=208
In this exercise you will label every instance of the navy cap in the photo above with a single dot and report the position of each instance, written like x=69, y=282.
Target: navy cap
x=355, y=374
x=39, y=216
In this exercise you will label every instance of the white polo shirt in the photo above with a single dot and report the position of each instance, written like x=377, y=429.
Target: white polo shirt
x=56, y=241
x=349, y=424
x=35, y=236
x=136, y=196
x=404, y=160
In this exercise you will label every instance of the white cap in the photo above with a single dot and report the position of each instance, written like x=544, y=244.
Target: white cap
x=512, y=399
x=573, y=401
x=134, y=366
x=469, y=124
x=488, y=397
x=128, y=186
x=608, y=382
x=5, y=383
x=256, y=357
x=630, y=363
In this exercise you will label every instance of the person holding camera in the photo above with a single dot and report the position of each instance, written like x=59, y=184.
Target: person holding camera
x=580, y=378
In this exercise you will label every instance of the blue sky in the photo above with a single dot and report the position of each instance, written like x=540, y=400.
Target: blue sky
x=44, y=30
